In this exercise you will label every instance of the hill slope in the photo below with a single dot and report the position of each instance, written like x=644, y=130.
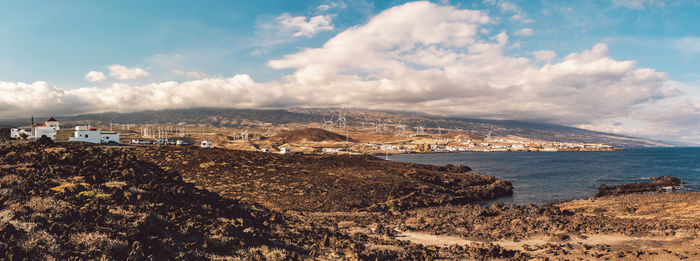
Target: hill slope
x=252, y=118
x=309, y=134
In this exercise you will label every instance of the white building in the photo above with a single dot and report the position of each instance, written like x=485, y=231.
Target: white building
x=48, y=129
x=205, y=144
x=93, y=135
x=109, y=137
x=16, y=133
x=285, y=150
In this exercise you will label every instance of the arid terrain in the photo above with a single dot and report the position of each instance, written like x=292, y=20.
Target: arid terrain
x=62, y=200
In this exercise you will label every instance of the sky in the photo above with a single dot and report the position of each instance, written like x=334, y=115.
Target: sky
x=621, y=66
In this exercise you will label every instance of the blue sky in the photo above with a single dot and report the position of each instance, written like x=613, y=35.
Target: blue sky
x=60, y=41
x=273, y=46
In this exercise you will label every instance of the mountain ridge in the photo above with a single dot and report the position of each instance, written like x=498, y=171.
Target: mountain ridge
x=257, y=118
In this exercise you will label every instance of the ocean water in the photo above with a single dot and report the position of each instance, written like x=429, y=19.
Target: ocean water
x=550, y=177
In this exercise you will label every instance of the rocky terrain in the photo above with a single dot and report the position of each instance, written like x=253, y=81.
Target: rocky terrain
x=325, y=182
x=75, y=201
x=656, y=184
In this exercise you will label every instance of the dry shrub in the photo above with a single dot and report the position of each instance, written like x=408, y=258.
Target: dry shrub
x=11, y=180
x=115, y=184
x=266, y=252
x=44, y=204
x=97, y=242
x=207, y=164
x=6, y=216
x=121, y=212
x=40, y=242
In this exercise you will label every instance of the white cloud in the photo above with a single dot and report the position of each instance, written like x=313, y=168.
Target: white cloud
x=332, y=5
x=123, y=73
x=638, y=4
x=504, y=6
x=524, y=32
x=521, y=19
x=196, y=75
x=544, y=55
x=95, y=76
x=191, y=74
x=437, y=64
x=689, y=45
x=303, y=26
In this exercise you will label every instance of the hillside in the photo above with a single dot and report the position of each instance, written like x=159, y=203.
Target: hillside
x=309, y=134
x=252, y=118
x=205, y=116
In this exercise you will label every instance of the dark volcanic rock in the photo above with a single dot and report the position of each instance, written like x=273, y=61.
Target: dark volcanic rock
x=326, y=182
x=73, y=200
x=76, y=201
x=655, y=185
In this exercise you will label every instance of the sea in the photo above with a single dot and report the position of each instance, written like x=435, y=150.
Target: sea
x=551, y=177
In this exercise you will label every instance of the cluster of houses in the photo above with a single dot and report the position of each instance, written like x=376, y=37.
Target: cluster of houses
x=48, y=129
x=480, y=146
x=51, y=127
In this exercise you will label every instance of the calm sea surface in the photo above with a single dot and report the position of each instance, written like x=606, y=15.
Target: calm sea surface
x=549, y=177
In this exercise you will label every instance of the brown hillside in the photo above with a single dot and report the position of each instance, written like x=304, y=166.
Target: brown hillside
x=454, y=134
x=308, y=134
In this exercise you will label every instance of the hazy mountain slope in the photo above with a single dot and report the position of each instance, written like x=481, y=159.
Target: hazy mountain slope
x=432, y=124
x=206, y=116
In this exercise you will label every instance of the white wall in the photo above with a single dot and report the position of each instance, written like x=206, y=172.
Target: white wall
x=106, y=137
x=44, y=131
x=86, y=136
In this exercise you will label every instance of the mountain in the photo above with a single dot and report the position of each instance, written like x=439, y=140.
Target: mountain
x=253, y=118
x=205, y=116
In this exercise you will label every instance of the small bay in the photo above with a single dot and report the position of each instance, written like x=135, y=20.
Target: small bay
x=550, y=177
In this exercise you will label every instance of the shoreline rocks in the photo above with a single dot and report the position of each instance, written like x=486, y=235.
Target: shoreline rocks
x=657, y=184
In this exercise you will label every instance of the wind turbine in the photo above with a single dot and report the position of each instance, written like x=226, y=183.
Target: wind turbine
x=379, y=127
x=420, y=129
x=342, y=122
x=328, y=123
x=244, y=136
x=401, y=127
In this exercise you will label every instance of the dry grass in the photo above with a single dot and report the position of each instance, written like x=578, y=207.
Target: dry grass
x=115, y=184
x=248, y=253
x=11, y=180
x=136, y=190
x=97, y=242
x=121, y=212
x=207, y=164
x=44, y=204
x=6, y=216
x=40, y=242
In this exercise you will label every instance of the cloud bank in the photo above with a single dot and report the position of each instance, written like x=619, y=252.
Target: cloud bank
x=438, y=64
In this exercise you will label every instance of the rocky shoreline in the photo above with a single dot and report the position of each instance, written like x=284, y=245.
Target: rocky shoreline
x=62, y=201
